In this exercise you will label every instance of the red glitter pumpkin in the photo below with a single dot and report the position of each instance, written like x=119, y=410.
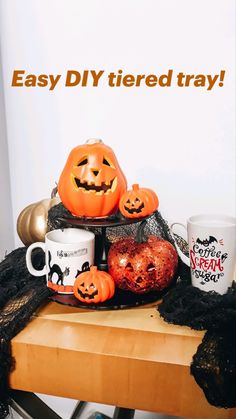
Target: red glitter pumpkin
x=142, y=266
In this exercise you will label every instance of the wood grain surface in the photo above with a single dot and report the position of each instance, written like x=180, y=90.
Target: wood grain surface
x=129, y=358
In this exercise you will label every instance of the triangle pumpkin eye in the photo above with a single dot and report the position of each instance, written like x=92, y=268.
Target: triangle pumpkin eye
x=83, y=162
x=106, y=162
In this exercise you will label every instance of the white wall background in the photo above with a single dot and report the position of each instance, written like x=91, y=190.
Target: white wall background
x=179, y=141
x=6, y=228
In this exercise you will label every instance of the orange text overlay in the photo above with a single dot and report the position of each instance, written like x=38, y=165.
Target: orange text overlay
x=96, y=78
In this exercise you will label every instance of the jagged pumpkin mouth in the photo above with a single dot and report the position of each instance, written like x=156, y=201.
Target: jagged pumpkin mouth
x=134, y=210
x=104, y=188
x=87, y=295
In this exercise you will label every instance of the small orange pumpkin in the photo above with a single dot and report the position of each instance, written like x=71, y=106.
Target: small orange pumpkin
x=94, y=286
x=138, y=202
x=92, y=181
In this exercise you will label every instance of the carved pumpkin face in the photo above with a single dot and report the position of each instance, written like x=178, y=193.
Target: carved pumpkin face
x=139, y=202
x=142, y=267
x=92, y=182
x=94, y=286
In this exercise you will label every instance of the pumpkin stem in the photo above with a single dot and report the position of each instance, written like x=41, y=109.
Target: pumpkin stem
x=94, y=141
x=93, y=269
x=140, y=236
x=135, y=187
x=54, y=192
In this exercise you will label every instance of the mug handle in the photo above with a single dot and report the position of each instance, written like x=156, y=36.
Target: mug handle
x=182, y=256
x=32, y=271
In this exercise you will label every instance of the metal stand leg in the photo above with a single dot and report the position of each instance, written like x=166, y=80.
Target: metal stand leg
x=101, y=251
x=78, y=409
x=29, y=406
x=123, y=413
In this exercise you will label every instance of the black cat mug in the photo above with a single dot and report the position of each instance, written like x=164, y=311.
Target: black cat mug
x=68, y=252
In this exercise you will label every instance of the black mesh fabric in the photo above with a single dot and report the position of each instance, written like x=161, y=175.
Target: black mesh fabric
x=214, y=364
x=20, y=295
x=214, y=367
x=155, y=225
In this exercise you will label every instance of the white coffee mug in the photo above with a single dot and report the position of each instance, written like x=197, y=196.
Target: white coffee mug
x=212, y=251
x=68, y=252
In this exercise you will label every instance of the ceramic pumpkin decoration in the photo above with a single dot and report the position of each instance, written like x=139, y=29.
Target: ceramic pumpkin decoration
x=92, y=181
x=141, y=265
x=138, y=202
x=94, y=286
x=32, y=221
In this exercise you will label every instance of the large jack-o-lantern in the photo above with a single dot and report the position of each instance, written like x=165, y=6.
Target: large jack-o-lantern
x=92, y=181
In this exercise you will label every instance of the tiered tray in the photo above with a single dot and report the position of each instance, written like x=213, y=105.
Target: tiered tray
x=122, y=299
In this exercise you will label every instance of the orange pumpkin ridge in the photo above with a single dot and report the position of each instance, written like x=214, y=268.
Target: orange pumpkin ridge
x=92, y=181
x=138, y=202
